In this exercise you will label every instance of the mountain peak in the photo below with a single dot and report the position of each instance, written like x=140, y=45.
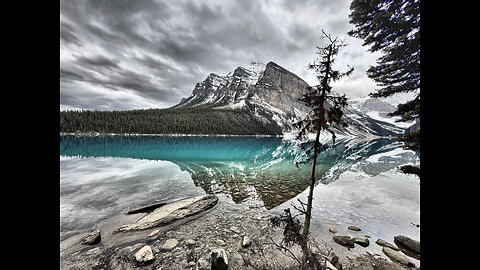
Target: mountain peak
x=270, y=93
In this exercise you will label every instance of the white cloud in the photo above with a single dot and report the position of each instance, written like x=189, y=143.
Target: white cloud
x=151, y=54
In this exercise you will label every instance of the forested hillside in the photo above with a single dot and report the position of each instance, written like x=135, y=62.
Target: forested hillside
x=193, y=120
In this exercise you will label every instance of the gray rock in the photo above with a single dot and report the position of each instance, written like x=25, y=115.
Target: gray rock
x=169, y=244
x=144, y=254
x=190, y=242
x=344, y=240
x=330, y=266
x=384, y=243
x=92, y=238
x=202, y=264
x=171, y=212
x=408, y=246
x=359, y=266
x=354, y=228
x=332, y=230
x=218, y=259
x=246, y=241
x=333, y=257
x=93, y=251
x=238, y=259
x=397, y=257
x=154, y=233
x=362, y=241
x=235, y=229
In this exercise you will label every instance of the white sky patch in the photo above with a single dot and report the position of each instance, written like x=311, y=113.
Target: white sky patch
x=108, y=99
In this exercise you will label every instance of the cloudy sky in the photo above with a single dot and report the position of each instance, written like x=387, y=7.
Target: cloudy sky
x=137, y=54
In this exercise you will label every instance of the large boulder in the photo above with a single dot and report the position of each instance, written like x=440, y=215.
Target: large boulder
x=171, y=212
x=408, y=246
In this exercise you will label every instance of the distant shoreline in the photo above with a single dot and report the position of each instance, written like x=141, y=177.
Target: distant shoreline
x=165, y=135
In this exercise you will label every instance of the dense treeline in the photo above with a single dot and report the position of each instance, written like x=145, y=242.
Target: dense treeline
x=194, y=120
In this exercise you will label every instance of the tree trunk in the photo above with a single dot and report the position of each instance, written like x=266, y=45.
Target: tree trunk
x=308, y=216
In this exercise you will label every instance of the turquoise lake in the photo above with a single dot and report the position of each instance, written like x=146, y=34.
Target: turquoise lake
x=101, y=176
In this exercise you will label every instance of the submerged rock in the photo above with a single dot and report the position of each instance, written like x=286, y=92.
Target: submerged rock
x=397, y=257
x=92, y=238
x=354, y=228
x=332, y=230
x=408, y=246
x=362, y=241
x=171, y=212
x=344, y=240
x=384, y=243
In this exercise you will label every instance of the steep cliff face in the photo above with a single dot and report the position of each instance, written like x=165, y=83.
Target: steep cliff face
x=272, y=93
x=281, y=89
x=268, y=83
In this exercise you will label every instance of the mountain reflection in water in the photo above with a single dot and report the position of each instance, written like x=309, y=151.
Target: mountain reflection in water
x=262, y=169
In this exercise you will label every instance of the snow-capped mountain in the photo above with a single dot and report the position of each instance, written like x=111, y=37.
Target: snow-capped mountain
x=271, y=93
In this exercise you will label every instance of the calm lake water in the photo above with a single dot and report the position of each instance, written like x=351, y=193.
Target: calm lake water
x=102, y=176
x=259, y=168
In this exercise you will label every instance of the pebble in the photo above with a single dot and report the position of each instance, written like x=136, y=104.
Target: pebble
x=154, y=233
x=246, y=241
x=235, y=229
x=332, y=230
x=190, y=242
x=354, y=228
x=145, y=254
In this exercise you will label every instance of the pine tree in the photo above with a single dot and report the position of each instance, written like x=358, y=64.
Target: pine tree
x=326, y=111
x=392, y=27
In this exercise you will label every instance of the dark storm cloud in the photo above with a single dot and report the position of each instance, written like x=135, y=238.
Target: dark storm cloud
x=99, y=61
x=148, y=52
x=68, y=35
x=70, y=75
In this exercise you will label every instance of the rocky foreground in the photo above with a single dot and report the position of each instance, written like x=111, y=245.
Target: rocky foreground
x=204, y=232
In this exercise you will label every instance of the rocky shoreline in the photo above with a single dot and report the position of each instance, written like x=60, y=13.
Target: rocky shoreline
x=216, y=231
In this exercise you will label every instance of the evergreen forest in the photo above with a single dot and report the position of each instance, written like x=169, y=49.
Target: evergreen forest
x=191, y=120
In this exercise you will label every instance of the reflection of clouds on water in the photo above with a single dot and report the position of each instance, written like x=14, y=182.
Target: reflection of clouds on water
x=124, y=172
x=383, y=206
x=94, y=188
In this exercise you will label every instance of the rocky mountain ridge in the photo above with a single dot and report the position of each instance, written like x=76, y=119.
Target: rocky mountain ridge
x=271, y=93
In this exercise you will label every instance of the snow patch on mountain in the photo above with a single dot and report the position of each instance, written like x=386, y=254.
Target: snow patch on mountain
x=271, y=93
